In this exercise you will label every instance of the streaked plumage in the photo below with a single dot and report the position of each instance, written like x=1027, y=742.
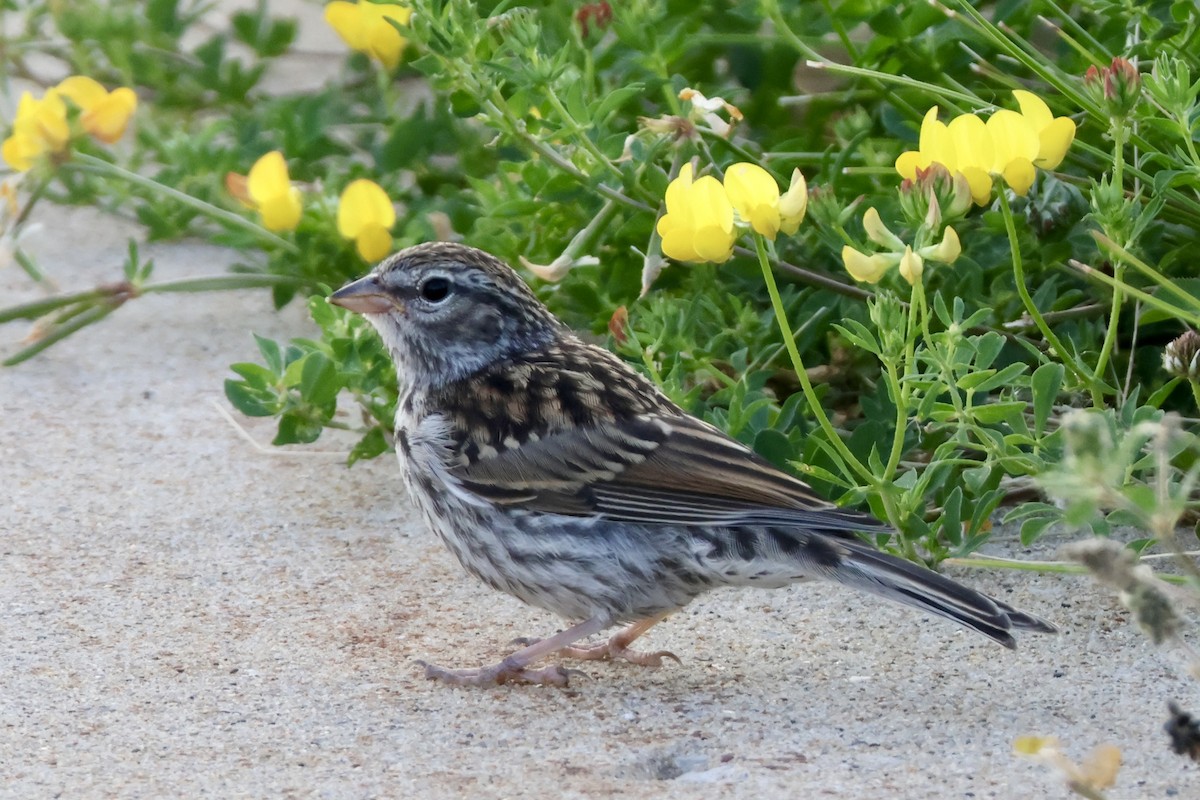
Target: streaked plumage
x=556, y=473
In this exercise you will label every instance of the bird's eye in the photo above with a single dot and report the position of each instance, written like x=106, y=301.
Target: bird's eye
x=435, y=289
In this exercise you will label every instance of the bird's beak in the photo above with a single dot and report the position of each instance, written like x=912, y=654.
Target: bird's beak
x=365, y=296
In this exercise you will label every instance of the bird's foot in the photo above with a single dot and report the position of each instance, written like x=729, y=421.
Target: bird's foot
x=498, y=674
x=615, y=650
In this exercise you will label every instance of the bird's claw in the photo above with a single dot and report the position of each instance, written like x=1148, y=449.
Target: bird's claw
x=614, y=651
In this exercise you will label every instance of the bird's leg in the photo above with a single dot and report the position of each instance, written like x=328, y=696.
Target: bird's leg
x=515, y=668
x=617, y=647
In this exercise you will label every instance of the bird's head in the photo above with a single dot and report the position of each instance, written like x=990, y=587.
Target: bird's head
x=446, y=310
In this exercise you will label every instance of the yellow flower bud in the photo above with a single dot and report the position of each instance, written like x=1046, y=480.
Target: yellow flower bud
x=911, y=265
x=878, y=233
x=793, y=204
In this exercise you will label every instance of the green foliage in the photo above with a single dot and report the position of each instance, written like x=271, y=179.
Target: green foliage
x=550, y=132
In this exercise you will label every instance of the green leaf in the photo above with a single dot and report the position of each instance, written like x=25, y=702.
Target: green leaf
x=373, y=444
x=992, y=413
x=319, y=382
x=952, y=528
x=270, y=353
x=996, y=379
x=1033, y=528
x=250, y=402
x=255, y=375
x=615, y=100
x=1045, y=384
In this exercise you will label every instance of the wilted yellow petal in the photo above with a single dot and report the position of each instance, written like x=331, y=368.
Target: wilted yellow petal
x=794, y=204
x=868, y=269
x=1054, y=140
x=364, y=204
x=755, y=196
x=1034, y=745
x=1100, y=768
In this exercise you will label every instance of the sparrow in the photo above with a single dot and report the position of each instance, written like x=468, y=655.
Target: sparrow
x=557, y=473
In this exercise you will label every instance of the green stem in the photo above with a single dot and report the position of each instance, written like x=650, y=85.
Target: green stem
x=78, y=322
x=1152, y=300
x=580, y=134
x=1030, y=308
x=515, y=128
x=98, y=166
x=899, y=397
x=1110, y=335
x=810, y=393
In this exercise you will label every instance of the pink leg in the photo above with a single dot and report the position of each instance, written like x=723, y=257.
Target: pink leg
x=515, y=668
x=617, y=647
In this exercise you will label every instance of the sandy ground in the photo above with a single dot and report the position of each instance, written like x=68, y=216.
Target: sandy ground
x=185, y=615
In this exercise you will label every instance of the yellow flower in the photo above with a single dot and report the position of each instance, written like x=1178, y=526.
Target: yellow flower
x=365, y=27
x=794, y=204
x=865, y=268
x=40, y=127
x=912, y=266
x=1055, y=134
x=271, y=192
x=1008, y=144
x=872, y=268
x=698, y=225
x=755, y=197
x=104, y=114
x=366, y=215
x=879, y=233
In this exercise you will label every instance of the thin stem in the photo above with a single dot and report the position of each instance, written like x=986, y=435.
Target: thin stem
x=1030, y=307
x=810, y=394
x=1110, y=335
x=581, y=135
x=813, y=278
x=555, y=158
x=97, y=166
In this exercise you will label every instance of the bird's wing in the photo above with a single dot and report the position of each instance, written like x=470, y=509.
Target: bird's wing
x=654, y=468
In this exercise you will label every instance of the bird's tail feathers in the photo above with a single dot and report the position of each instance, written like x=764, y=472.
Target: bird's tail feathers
x=904, y=582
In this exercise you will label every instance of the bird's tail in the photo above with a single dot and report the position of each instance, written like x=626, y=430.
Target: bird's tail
x=870, y=570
